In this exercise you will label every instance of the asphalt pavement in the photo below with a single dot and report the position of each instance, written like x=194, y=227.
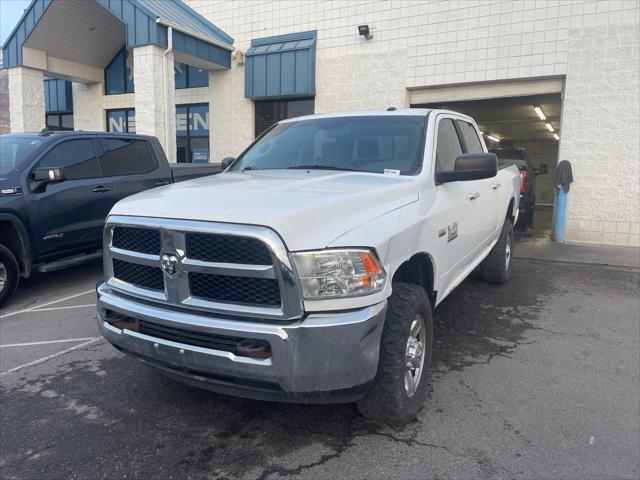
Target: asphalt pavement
x=535, y=379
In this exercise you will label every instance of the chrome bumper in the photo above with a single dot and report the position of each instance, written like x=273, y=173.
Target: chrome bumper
x=323, y=352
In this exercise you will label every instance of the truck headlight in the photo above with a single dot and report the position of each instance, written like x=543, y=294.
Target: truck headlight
x=339, y=273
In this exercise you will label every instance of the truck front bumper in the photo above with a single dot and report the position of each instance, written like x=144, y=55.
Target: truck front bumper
x=325, y=357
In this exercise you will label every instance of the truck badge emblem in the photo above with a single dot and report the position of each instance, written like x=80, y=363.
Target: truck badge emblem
x=169, y=264
x=452, y=231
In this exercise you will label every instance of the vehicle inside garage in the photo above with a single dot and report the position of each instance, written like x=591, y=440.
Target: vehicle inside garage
x=524, y=130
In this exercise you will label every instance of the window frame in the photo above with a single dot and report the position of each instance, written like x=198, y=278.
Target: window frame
x=187, y=78
x=463, y=141
x=59, y=127
x=124, y=73
x=126, y=118
x=43, y=154
x=284, y=100
x=188, y=136
x=435, y=170
x=103, y=164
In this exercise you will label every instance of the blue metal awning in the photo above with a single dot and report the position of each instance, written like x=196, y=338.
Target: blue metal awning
x=147, y=22
x=281, y=66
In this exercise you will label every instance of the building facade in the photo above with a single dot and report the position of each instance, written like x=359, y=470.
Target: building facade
x=146, y=72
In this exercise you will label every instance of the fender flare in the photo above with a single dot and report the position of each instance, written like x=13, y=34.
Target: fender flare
x=25, y=243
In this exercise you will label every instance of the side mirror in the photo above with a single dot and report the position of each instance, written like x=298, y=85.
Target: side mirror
x=226, y=162
x=48, y=175
x=542, y=169
x=471, y=166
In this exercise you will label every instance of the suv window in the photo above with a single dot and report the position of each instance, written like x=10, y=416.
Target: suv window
x=126, y=157
x=77, y=157
x=447, y=147
x=470, y=137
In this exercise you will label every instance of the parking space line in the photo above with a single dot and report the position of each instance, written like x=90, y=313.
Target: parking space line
x=30, y=344
x=66, y=307
x=17, y=312
x=49, y=357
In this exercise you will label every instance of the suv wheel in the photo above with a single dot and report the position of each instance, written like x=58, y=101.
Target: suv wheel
x=497, y=265
x=9, y=274
x=400, y=386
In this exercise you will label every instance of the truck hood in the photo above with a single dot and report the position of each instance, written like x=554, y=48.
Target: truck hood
x=309, y=209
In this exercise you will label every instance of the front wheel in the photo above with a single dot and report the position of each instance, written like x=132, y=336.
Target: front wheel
x=9, y=274
x=400, y=386
x=497, y=266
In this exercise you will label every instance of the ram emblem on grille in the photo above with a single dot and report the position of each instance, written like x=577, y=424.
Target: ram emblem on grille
x=169, y=264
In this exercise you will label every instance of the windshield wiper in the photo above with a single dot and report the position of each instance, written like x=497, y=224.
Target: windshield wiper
x=250, y=167
x=322, y=167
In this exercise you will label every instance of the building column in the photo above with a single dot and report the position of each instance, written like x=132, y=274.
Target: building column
x=155, y=99
x=26, y=99
x=231, y=116
x=87, y=107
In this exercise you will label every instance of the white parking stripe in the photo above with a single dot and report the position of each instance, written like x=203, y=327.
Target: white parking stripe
x=10, y=314
x=66, y=307
x=30, y=344
x=49, y=357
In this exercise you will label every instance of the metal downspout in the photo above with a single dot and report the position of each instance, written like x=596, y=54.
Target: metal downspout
x=164, y=86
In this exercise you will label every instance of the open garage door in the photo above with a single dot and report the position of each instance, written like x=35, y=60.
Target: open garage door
x=524, y=130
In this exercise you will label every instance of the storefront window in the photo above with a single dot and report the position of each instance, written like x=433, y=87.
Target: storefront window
x=190, y=77
x=59, y=121
x=269, y=112
x=192, y=131
x=121, y=121
x=118, y=76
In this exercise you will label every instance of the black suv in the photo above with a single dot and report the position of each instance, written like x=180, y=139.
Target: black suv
x=56, y=189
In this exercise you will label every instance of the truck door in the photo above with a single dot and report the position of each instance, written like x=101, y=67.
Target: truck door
x=131, y=165
x=488, y=189
x=67, y=216
x=457, y=215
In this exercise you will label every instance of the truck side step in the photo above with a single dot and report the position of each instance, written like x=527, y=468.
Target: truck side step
x=69, y=261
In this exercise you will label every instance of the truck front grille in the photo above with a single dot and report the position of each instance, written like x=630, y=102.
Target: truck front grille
x=138, y=275
x=143, y=240
x=221, y=288
x=227, y=249
x=239, y=270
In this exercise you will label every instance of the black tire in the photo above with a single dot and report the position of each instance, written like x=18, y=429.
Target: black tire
x=10, y=270
x=388, y=401
x=497, y=265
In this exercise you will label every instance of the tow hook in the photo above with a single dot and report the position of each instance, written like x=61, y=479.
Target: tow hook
x=251, y=348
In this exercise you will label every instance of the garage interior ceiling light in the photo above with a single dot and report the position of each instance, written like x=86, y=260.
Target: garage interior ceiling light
x=493, y=138
x=556, y=136
x=549, y=127
x=539, y=112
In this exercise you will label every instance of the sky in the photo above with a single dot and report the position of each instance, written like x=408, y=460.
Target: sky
x=10, y=13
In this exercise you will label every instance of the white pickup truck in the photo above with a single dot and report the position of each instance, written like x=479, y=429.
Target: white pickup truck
x=309, y=269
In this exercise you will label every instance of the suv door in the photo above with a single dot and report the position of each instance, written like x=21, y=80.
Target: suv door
x=68, y=216
x=489, y=188
x=131, y=164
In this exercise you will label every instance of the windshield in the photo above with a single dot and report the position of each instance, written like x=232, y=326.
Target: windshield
x=377, y=144
x=15, y=151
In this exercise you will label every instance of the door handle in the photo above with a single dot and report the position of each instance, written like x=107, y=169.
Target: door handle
x=164, y=182
x=495, y=186
x=474, y=195
x=100, y=189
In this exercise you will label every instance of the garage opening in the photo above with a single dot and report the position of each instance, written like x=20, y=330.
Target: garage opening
x=523, y=130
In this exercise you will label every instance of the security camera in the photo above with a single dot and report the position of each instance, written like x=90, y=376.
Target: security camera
x=365, y=32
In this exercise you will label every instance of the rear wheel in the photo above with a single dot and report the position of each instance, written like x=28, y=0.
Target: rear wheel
x=497, y=265
x=9, y=274
x=400, y=386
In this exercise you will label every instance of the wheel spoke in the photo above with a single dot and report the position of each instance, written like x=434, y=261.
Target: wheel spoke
x=409, y=383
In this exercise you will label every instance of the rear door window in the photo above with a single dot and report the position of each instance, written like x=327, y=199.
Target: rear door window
x=126, y=157
x=470, y=137
x=448, y=146
x=77, y=157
